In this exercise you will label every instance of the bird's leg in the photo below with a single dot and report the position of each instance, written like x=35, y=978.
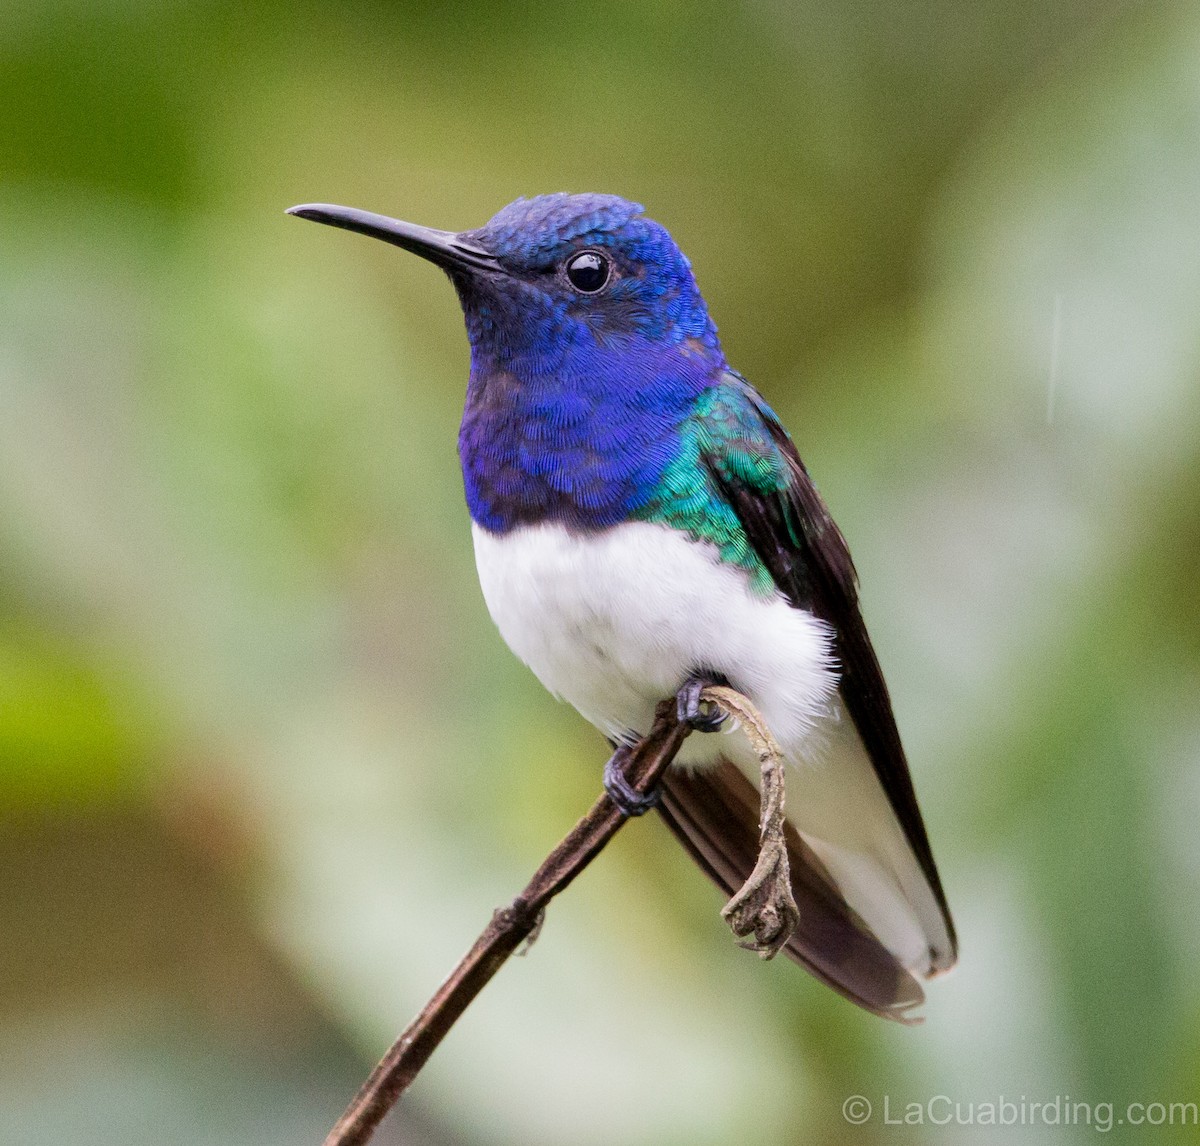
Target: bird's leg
x=703, y=715
x=629, y=801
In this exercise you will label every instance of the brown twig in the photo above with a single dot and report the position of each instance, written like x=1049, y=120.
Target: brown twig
x=764, y=906
x=510, y=926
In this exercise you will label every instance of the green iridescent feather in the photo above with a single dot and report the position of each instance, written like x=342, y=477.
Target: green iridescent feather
x=726, y=432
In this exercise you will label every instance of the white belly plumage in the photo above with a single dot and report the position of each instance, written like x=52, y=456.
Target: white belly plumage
x=614, y=621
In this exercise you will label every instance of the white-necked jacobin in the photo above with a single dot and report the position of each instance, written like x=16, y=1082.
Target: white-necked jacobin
x=643, y=522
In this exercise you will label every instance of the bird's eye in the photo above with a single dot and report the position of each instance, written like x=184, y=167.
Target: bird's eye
x=588, y=271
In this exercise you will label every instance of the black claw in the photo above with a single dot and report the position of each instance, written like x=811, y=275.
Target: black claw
x=688, y=705
x=629, y=802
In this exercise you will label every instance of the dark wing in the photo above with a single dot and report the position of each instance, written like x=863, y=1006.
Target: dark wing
x=756, y=470
x=807, y=556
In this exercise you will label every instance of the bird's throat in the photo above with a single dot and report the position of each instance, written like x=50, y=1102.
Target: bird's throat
x=583, y=440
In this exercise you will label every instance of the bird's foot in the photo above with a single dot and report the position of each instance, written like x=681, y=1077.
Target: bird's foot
x=629, y=801
x=702, y=715
x=694, y=710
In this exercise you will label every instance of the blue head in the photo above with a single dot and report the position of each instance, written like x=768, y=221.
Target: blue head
x=590, y=343
x=579, y=273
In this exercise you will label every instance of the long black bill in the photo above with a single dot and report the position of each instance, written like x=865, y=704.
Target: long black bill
x=445, y=248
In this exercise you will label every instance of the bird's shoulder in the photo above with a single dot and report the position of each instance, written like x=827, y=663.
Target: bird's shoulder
x=754, y=468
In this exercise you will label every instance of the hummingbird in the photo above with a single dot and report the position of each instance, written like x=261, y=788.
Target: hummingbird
x=644, y=524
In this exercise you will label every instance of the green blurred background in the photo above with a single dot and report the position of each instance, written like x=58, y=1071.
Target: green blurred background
x=265, y=766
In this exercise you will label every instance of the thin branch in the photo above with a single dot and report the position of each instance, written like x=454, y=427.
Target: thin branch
x=764, y=907
x=510, y=926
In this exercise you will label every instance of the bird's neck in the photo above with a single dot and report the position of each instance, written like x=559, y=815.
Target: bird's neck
x=579, y=435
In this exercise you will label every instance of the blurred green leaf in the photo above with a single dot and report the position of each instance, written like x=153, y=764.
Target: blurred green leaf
x=956, y=247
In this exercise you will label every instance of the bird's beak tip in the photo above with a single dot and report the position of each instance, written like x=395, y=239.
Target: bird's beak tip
x=307, y=211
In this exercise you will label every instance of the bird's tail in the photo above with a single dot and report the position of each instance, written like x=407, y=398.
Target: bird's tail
x=714, y=812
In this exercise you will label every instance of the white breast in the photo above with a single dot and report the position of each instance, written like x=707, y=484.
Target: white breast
x=613, y=622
